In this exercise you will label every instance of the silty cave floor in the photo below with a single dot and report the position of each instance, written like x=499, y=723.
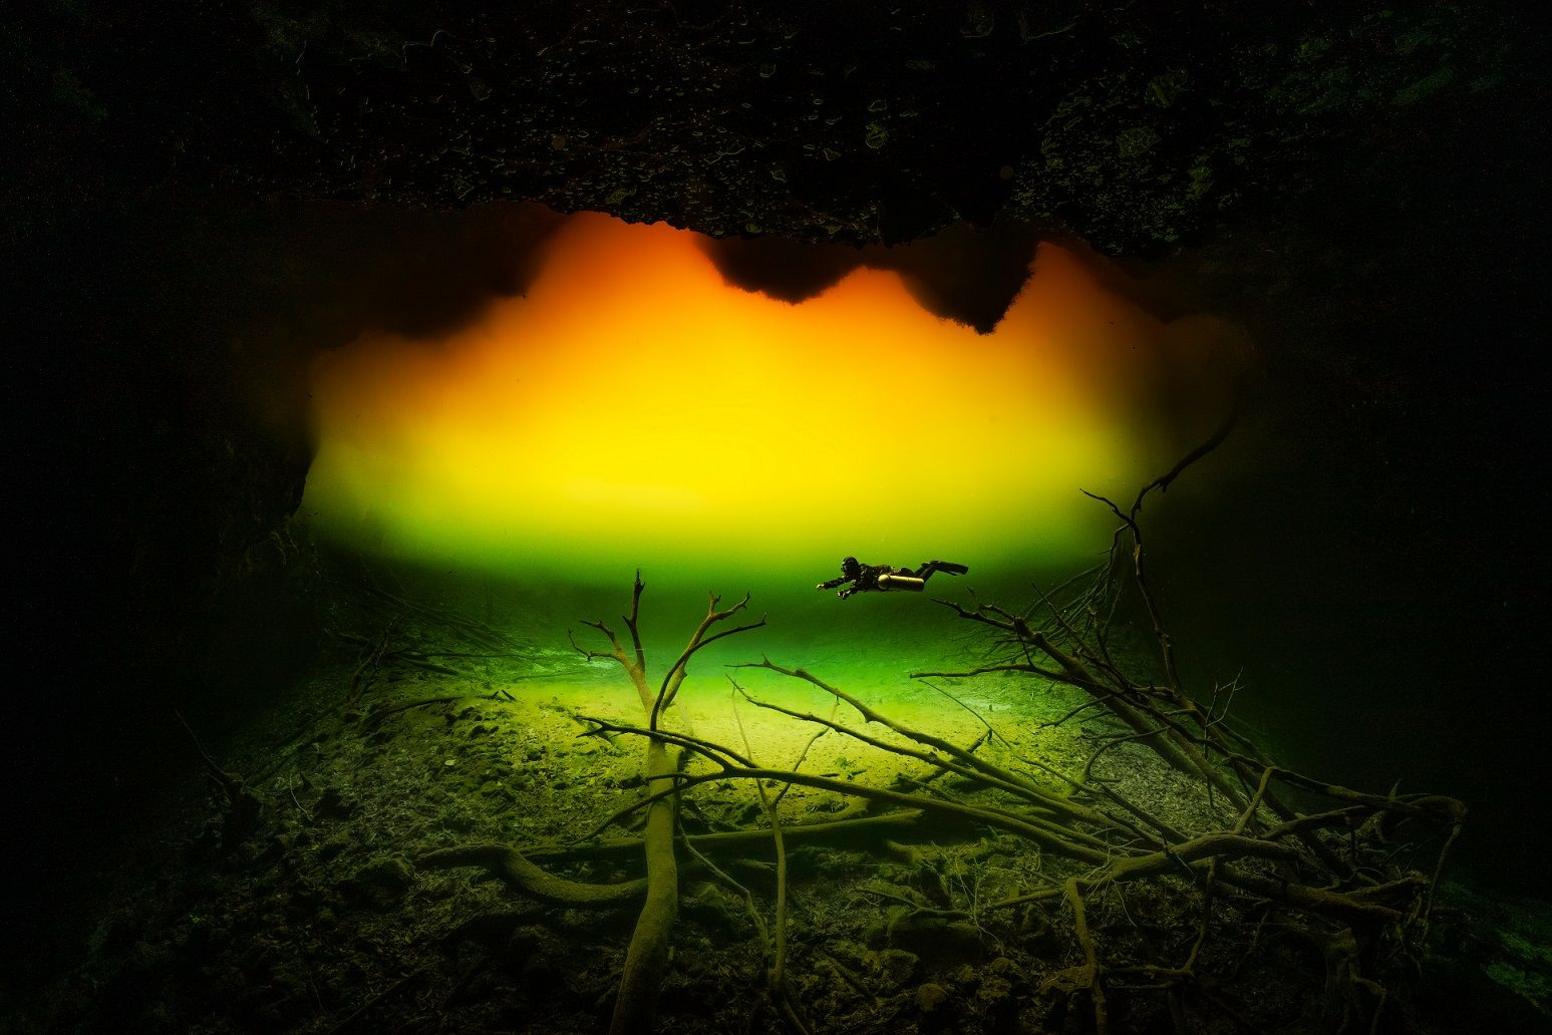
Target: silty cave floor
x=318, y=920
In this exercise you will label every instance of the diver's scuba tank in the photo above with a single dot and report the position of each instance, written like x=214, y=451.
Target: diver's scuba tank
x=901, y=580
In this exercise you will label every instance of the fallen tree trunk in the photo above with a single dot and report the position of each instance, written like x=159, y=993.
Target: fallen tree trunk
x=646, y=961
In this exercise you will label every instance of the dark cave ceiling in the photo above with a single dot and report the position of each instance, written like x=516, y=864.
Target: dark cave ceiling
x=1130, y=126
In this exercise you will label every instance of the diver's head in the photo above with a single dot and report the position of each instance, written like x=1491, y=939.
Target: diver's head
x=850, y=568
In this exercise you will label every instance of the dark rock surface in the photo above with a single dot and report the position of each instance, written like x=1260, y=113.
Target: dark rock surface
x=1130, y=126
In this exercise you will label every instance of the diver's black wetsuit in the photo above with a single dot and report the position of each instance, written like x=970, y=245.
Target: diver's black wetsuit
x=866, y=578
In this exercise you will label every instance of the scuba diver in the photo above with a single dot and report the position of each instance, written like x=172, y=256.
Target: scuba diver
x=866, y=578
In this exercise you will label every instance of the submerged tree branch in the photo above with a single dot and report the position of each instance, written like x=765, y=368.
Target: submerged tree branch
x=1318, y=867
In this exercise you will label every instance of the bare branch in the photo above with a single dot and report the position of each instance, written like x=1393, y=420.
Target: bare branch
x=631, y=619
x=674, y=677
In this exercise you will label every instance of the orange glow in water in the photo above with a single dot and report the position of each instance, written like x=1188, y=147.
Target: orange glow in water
x=633, y=408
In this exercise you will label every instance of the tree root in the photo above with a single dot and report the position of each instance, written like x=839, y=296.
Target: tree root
x=509, y=865
x=863, y=831
x=519, y=871
x=1087, y=976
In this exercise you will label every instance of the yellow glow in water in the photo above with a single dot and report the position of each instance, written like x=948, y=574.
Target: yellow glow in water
x=632, y=408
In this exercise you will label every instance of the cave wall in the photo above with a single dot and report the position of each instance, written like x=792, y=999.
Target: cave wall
x=156, y=419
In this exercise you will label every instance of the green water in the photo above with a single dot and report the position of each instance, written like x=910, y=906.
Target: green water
x=872, y=642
